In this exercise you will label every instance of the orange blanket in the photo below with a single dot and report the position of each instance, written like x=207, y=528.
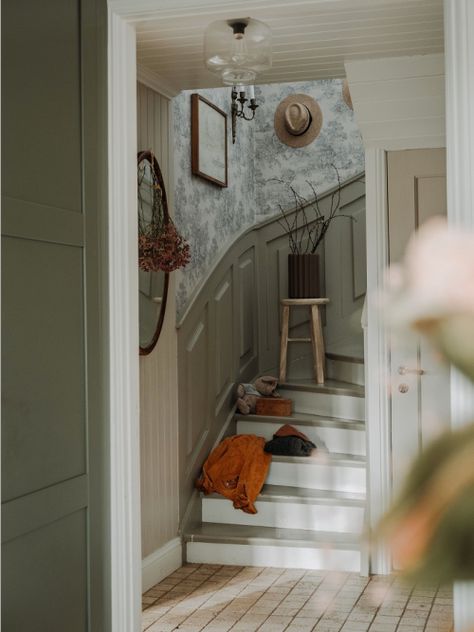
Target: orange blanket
x=237, y=469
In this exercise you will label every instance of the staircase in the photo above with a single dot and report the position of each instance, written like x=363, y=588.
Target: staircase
x=311, y=510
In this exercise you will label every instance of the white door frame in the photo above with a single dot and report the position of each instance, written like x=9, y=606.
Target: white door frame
x=459, y=63
x=377, y=360
x=123, y=316
x=125, y=531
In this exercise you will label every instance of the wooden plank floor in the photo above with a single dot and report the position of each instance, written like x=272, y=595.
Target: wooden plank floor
x=243, y=599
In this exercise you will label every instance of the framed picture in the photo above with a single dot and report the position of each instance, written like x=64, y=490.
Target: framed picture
x=208, y=141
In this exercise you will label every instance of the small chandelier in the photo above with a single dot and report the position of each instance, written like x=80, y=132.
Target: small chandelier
x=237, y=50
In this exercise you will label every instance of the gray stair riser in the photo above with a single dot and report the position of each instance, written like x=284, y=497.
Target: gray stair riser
x=345, y=371
x=335, y=518
x=311, y=475
x=332, y=405
x=323, y=558
x=335, y=439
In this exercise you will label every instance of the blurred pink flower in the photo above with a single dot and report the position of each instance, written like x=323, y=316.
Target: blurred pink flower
x=436, y=278
x=432, y=291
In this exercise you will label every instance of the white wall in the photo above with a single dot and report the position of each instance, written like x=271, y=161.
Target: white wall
x=399, y=101
x=158, y=371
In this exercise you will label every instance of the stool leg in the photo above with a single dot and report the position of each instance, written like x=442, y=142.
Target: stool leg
x=284, y=342
x=318, y=344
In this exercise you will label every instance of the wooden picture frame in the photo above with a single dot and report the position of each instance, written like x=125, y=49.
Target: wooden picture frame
x=208, y=141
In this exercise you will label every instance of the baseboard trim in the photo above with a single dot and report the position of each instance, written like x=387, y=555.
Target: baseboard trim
x=161, y=563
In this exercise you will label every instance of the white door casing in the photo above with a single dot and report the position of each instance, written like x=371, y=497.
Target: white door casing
x=377, y=354
x=125, y=545
x=459, y=61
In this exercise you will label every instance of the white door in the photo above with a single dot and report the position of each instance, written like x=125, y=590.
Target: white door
x=420, y=381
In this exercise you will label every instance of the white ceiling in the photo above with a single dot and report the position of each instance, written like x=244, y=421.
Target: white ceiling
x=311, y=38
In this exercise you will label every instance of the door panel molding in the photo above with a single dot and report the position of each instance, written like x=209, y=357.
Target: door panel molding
x=40, y=508
x=247, y=283
x=28, y=220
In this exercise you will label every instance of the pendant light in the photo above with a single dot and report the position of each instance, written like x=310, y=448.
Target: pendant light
x=238, y=50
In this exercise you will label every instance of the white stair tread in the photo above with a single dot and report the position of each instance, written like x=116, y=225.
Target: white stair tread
x=330, y=387
x=336, y=435
x=284, y=493
x=306, y=419
x=245, y=534
x=321, y=457
x=343, y=475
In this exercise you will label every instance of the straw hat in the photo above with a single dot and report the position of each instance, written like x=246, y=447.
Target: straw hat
x=298, y=120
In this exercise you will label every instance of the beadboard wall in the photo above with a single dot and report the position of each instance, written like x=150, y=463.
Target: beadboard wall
x=158, y=371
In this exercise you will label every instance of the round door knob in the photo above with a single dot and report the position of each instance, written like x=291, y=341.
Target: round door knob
x=403, y=388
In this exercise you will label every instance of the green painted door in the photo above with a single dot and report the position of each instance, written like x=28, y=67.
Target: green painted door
x=54, y=488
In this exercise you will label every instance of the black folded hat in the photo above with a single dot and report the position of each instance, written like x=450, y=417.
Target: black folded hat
x=289, y=441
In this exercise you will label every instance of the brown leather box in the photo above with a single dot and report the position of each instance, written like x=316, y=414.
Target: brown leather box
x=276, y=406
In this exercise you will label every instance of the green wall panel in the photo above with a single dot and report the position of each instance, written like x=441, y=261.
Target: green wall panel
x=43, y=382
x=55, y=564
x=46, y=589
x=41, y=154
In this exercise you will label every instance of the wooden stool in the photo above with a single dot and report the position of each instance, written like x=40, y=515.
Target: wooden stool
x=316, y=338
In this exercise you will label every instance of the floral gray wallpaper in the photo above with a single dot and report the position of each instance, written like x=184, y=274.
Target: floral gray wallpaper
x=210, y=217
x=338, y=143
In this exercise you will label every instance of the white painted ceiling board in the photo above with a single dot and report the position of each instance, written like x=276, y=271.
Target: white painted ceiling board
x=399, y=103
x=311, y=38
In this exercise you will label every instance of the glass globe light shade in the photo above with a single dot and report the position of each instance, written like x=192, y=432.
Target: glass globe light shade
x=238, y=49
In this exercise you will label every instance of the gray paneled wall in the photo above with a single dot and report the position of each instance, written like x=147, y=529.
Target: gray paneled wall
x=158, y=371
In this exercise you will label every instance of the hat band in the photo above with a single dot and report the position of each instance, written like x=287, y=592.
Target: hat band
x=301, y=124
x=305, y=128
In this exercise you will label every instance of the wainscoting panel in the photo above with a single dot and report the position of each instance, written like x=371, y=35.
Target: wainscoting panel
x=345, y=262
x=248, y=332
x=359, y=263
x=273, y=279
x=223, y=350
x=195, y=388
